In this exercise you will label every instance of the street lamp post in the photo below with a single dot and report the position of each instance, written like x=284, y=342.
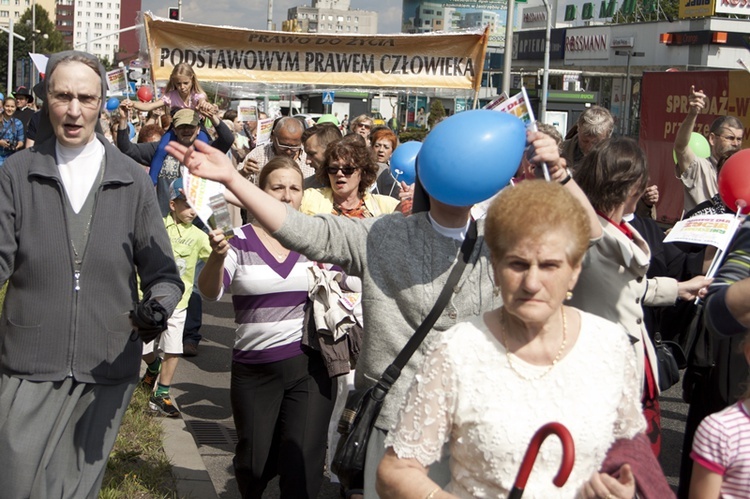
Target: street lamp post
x=629, y=53
x=508, y=47
x=545, y=76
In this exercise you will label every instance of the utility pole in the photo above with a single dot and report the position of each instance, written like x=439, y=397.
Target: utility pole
x=508, y=56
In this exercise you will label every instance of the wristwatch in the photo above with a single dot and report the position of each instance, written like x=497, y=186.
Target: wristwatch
x=568, y=178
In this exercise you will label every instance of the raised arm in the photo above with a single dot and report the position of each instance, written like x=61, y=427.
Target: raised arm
x=208, y=162
x=685, y=156
x=546, y=150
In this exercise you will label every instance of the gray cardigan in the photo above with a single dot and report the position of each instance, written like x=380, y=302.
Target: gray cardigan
x=48, y=330
x=403, y=263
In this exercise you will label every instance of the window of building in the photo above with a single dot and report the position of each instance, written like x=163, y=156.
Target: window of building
x=340, y=19
x=98, y=14
x=97, y=25
x=98, y=46
x=117, y=16
x=99, y=5
x=330, y=18
x=439, y=13
x=356, y=19
x=79, y=24
x=428, y=12
x=109, y=16
x=339, y=27
x=426, y=22
x=88, y=4
x=18, y=2
x=356, y=29
x=330, y=26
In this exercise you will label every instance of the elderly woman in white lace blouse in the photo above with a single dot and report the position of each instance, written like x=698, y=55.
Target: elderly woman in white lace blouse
x=490, y=383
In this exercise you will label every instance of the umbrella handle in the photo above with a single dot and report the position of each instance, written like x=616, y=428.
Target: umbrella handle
x=566, y=466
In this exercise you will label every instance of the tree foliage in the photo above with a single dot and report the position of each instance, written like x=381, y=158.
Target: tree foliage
x=437, y=113
x=50, y=44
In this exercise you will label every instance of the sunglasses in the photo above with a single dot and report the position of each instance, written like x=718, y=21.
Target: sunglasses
x=346, y=170
x=285, y=147
x=364, y=125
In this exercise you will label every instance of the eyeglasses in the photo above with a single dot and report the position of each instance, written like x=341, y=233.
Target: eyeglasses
x=364, y=125
x=287, y=148
x=346, y=170
x=64, y=99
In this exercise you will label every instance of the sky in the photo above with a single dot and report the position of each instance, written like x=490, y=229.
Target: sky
x=253, y=13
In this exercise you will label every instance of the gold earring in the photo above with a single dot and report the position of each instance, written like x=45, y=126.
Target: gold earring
x=568, y=296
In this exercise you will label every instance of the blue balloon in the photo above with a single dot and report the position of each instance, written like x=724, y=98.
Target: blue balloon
x=2, y=97
x=113, y=103
x=468, y=157
x=404, y=162
x=131, y=129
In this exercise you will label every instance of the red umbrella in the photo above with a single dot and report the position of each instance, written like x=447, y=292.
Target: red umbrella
x=569, y=456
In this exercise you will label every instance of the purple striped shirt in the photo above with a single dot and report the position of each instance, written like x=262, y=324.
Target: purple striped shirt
x=268, y=297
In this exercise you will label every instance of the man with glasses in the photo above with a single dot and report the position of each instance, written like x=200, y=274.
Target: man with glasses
x=286, y=140
x=698, y=175
x=80, y=234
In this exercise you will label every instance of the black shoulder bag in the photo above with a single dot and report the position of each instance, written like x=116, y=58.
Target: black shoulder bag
x=363, y=406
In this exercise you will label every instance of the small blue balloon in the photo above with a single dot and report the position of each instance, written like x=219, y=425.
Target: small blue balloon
x=2, y=97
x=113, y=103
x=470, y=156
x=131, y=129
x=404, y=162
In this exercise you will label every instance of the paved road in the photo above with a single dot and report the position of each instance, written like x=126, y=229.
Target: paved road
x=201, y=390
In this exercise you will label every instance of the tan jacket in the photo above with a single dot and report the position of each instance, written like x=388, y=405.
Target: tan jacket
x=613, y=285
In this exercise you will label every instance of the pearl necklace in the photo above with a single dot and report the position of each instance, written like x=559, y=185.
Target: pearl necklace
x=554, y=361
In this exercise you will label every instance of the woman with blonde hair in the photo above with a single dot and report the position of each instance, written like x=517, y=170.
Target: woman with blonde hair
x=491, y=382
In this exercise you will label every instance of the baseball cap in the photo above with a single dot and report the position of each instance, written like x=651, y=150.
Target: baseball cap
x=186, y=117
x=22, y=91
x=174, y=189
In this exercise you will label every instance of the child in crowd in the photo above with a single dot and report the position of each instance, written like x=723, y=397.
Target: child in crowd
x=183, y=92
x=721, y=450
x=189, y=244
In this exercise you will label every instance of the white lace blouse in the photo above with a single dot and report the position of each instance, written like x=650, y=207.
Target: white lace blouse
x=467, y=395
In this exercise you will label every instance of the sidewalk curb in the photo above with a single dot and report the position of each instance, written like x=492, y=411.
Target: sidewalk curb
x=190, y=475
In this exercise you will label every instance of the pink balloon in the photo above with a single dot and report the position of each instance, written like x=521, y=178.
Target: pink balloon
x=145, y=94
x=734, y=181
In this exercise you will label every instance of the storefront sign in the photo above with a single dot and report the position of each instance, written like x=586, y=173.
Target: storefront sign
x=620, y=42
x=534, y=17
x=739, y=7
x=697, y=8
x=590, y=43
x=529, y=45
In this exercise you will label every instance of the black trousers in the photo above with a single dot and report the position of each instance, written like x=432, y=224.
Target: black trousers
x=281, y=411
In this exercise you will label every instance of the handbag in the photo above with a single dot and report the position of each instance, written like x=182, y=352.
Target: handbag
x=670, y=358
x=363, y=406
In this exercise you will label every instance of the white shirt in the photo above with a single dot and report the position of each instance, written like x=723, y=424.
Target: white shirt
x=79, y=167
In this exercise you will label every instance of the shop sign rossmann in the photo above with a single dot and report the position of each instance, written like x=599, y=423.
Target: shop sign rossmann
x=584, y=44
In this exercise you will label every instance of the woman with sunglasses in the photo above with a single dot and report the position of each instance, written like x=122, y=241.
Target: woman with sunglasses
x=361, y=125
x=347, y=174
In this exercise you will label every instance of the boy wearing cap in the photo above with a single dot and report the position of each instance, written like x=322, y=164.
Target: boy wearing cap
x=189, y=244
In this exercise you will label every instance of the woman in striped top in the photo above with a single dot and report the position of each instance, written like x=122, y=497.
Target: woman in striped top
x=280, y=391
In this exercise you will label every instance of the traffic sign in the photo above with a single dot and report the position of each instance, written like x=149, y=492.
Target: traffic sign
x=328, y=98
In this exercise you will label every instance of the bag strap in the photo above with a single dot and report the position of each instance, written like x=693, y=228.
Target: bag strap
x=393, y=371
